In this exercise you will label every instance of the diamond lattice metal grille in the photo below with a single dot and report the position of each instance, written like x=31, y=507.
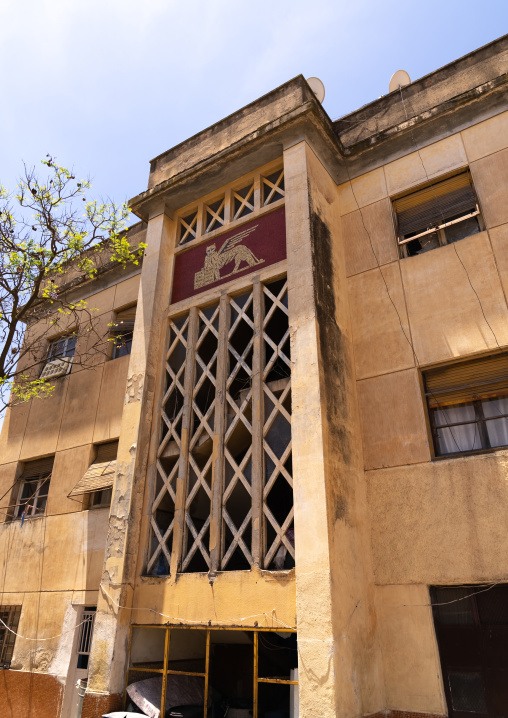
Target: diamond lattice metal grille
x=195, y=555
x=237, y=491
x=168, y=454
x=223, y=495
x=278, y=507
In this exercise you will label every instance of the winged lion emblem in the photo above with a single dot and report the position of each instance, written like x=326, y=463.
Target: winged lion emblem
x=231, y=251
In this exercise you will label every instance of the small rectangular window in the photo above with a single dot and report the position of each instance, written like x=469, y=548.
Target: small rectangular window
x=188, y=228
x=214, y=215
x=273, y=187
x=31, y=491
x=468, y=405
x=9, y=617
x=243, y=201
x=85, y=636
x=96, y=484
x=59, y=359
x=122, y=331
x=440, y=213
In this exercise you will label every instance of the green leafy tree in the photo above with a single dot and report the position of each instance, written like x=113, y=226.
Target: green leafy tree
x=52, y=236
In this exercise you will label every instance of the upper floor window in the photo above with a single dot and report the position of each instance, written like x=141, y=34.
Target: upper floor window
x=32, y=488
x=9, y=616
x=440, y=213
x=250, y=194
x=121, y=332
x=96, y=484
x=468, y=405
x=59, y=359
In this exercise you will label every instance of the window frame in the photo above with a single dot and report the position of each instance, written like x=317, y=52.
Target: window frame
x=92, y=505
x=39, y=481
x=440, y=229
x=165, y=671
x=8, y=644
x=479, y=417
x=64, y=356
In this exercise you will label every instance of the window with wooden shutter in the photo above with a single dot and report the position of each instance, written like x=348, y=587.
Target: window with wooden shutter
x=468, y=405
x=97, y=481
x=437, y=214
x=121, y=332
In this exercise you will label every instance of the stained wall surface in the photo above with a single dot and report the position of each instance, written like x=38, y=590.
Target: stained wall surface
x=431, y=522
x=52, y=564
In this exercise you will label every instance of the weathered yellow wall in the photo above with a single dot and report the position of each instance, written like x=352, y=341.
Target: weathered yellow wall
x=54, y=562
x=256, y=596
x=359, y=675
x=410, y=655
x=431, y=522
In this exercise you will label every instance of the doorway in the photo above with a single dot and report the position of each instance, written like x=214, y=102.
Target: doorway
x=472, y=634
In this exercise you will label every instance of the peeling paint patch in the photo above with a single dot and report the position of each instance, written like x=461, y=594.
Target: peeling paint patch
x=135, y=385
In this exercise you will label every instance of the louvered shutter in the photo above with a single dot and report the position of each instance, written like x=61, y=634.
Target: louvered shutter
x=468, y=381
x=37, y=469
x=101, y=474
x=106, y=452
x=124, y=320
x=435, y=205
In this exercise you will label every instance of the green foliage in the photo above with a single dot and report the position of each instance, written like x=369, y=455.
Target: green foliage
x=49, y=227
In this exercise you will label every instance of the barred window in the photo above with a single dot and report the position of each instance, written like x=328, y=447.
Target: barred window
x=225, y=431
x=9, y=621
x=85, y=636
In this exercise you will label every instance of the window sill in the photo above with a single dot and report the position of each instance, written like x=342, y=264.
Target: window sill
x=464, y=454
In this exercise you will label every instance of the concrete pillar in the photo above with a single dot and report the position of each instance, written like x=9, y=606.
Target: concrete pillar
x=339, y=666
x=108, y=660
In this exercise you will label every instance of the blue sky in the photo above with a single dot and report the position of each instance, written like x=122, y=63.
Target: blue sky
x=105, y=85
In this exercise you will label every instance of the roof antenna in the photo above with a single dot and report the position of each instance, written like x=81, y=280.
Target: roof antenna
x=398, y=80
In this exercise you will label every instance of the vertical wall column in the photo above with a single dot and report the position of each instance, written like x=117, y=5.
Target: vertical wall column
x=340, y=672
x=111, y=635
x=313, y=570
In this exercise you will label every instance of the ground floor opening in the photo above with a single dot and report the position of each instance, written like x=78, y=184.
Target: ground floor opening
x=212, y=672
x=472, y=634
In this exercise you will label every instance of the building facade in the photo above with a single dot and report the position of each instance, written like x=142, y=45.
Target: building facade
x=284, y=491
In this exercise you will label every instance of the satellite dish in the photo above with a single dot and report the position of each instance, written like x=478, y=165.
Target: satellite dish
x=317, y=88
x=398, y=79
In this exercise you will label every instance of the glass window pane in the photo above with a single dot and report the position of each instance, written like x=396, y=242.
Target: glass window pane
x=497, y=430
x=462, y=229
x=464, y=437
x=454, y=414
x=494, y=408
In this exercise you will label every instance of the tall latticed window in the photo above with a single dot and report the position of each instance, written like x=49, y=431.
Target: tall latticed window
x=223, y=497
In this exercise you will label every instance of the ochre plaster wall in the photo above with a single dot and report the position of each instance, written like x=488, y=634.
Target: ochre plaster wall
x=261, y=597
x=410, y=655
x=53, y=562
x=340, y=668
x=431, y=522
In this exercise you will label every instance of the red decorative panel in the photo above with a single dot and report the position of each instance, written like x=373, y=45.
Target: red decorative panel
x=240, y=251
